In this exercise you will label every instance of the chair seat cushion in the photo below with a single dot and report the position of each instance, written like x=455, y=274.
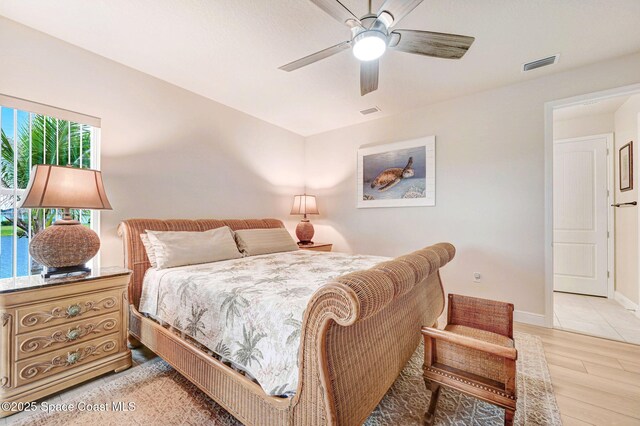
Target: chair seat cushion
x=483, y=335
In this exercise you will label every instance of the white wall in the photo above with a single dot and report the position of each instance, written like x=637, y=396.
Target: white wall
x=626, y=219
x=596, y=124
x=166, y=152
x=489, y=179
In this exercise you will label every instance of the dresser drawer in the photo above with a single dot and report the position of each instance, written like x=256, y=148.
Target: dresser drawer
x=63, y=311
x=64, y=335
x=66, y=359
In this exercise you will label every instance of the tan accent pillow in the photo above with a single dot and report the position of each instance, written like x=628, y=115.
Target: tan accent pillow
x=179, y=248
x=151, y=254
x=252, y=242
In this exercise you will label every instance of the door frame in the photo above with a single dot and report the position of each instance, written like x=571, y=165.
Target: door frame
x=611, y=235
x=549, y=107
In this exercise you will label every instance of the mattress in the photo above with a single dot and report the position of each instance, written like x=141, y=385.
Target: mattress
x=248, y=311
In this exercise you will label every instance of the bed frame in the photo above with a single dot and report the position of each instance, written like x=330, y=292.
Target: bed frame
x=358, y=333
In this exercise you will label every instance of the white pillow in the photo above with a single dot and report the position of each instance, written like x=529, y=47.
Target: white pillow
x=151, y=254
x=252, y=242
x=179, y=248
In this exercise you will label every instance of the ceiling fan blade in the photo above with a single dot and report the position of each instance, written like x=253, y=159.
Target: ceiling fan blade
x=439, y=45
x=369, y=71
x=398, y=9
x=315, y=57
x=338, y=11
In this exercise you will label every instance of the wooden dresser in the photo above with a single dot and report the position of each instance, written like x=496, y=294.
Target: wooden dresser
x=59, y=332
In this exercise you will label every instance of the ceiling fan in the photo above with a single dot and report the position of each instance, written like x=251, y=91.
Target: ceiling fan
x=373, y=33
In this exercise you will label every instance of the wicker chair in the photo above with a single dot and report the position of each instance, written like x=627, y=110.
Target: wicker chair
x=474, y=354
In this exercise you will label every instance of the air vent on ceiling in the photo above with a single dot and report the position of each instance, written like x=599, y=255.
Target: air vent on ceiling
x=540, y=63
x=369, y=111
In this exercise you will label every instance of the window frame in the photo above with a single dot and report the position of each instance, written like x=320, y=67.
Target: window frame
x=35, y=108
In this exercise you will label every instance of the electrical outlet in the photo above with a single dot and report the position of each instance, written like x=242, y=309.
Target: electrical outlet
x=477, y=277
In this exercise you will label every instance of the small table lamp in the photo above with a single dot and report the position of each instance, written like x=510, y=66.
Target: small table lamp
x=304, y=205
x=67, y=245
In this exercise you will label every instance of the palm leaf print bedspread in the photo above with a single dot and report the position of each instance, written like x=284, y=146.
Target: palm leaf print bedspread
x=248, y=311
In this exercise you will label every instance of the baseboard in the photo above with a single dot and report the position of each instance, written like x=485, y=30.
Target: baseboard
x=627, y=303
x=529, y=318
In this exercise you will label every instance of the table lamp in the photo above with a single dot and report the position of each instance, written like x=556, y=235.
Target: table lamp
x=304, y=205
x=67, y=245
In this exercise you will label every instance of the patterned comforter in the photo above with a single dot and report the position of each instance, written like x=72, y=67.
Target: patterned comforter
x=248, y=311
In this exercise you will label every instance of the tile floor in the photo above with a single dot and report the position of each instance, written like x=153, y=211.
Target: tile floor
x=595, y=316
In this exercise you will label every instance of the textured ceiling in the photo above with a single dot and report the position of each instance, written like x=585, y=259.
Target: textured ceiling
x=230, y=50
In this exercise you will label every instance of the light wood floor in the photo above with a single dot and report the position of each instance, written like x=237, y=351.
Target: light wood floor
x=596, y=381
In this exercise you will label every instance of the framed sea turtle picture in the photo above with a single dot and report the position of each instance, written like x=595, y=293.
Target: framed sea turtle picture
x=399, y=174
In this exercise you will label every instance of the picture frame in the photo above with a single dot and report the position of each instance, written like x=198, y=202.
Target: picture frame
x=625, y=167
x=398, y=174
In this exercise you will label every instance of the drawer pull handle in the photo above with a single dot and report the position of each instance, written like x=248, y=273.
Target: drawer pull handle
x=73, y=334
x=73, y=311
x=72, y=358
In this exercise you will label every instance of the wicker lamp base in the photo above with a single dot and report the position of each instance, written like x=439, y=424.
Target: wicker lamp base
x=64, y=247
x=304, y=232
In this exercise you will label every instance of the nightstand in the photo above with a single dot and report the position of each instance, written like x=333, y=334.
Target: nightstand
x=59, y=332
x=317, y=246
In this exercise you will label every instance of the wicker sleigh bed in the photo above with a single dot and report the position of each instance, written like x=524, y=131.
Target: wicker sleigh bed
x=358, y=333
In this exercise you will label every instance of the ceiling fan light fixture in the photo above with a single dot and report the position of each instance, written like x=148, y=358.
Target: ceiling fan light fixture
x=369, y=45
x=372, y=34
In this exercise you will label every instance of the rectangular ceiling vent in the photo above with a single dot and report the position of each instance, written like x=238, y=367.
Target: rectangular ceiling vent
x=540, y=63
x=369, y=111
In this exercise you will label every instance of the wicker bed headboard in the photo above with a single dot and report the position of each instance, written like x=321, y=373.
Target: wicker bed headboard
x=135, y=257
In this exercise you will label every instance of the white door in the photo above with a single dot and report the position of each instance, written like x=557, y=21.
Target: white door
x=580, y=215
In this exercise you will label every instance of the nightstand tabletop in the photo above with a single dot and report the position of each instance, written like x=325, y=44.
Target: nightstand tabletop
x=316, y=246
x=30, y=282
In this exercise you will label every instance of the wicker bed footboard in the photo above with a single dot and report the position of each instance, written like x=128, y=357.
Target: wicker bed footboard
x=358, y=333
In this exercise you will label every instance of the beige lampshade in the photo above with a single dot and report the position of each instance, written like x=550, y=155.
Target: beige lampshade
x=304, y=204
x=65, y=188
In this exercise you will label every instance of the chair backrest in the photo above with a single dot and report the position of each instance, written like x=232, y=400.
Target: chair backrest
x=483, y=314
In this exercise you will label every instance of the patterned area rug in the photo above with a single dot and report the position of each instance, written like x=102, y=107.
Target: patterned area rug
x=163, y=396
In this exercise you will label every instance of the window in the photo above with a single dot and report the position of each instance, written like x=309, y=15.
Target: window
x=31, y=134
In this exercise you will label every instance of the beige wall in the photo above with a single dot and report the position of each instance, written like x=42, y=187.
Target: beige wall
x=626, y=218
x=588, y=125
x=166, y=152
x=489, y=179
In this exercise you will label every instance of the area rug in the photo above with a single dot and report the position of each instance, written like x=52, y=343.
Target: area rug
x=164, y=397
